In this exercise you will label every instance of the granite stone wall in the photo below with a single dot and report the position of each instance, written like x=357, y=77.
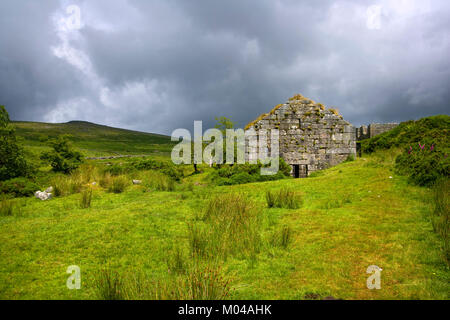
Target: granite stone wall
x=373, y=129
x=311, y=136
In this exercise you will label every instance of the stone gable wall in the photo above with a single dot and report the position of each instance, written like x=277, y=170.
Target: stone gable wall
x=373, y=129
x=310, y=135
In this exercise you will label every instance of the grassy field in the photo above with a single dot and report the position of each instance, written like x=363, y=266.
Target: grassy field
x=158, y=243
x=91, y=139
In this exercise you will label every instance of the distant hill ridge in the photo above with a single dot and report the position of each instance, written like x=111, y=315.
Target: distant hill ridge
x=79, y=124
x=93, y=139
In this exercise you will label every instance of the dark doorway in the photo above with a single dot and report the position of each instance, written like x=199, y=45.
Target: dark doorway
x=300, y=171
x=296, y=171
x=358, y=149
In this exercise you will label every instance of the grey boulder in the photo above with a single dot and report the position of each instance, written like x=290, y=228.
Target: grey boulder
x=43, y=195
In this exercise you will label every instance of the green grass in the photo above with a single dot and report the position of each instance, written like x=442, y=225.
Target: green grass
x=353, y=216
x=93, y=140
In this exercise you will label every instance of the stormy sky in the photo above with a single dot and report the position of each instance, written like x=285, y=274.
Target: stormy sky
x=158, y=65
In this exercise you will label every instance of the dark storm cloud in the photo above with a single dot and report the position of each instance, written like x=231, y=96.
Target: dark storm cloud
x=160, y=65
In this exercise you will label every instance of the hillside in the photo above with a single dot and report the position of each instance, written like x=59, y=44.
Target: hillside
x=423, y=147
x=155, y=239
x=353, y=216
x=92, y=139
x=429, y=130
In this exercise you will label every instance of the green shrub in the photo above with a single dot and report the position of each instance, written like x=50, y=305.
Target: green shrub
x=164, y=167
x=409, y=133
x=18, y=187
x=350, y=158
x=118, y=184
x=246, y=173
x=285, y=168
x=284, y=198
x=63, y=158
x=241, y=178
x=426, y=148
x=12, y=159
x=86, y=198
x=424, y=164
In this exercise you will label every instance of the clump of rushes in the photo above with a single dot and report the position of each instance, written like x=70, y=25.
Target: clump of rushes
x=441, y=214
x=105, y=180
x=286, y=233
x=207, y=283
x=65, y=185
x=159, y=181
x=282, y=238
x=284, y=198
x=118, y=184
x=176, y=262
x=230, y=226
x=110, y=285
x=86, y=198
x=200, y=282
x=6, y=207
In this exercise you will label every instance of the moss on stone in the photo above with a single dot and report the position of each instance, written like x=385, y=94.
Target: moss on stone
x=334, y=111
x=297, y=97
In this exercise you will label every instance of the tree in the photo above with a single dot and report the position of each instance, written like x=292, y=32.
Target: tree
x=63, y=158
x=12, y=160
x=224, y=123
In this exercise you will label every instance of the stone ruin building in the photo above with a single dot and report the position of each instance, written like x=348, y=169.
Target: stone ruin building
x=311, y=136
x=373, y=129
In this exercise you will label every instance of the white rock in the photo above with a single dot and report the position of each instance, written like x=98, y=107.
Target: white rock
x=42, y=195
x=94, y=183
x=49, y=190
x=137, y=181
x=390, y=177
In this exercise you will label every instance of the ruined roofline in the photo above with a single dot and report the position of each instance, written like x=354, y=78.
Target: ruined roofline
x=373, y=129
x=372, y=123
x=297, y=97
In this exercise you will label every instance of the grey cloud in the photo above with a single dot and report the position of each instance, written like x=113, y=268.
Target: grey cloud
x=159, y=65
